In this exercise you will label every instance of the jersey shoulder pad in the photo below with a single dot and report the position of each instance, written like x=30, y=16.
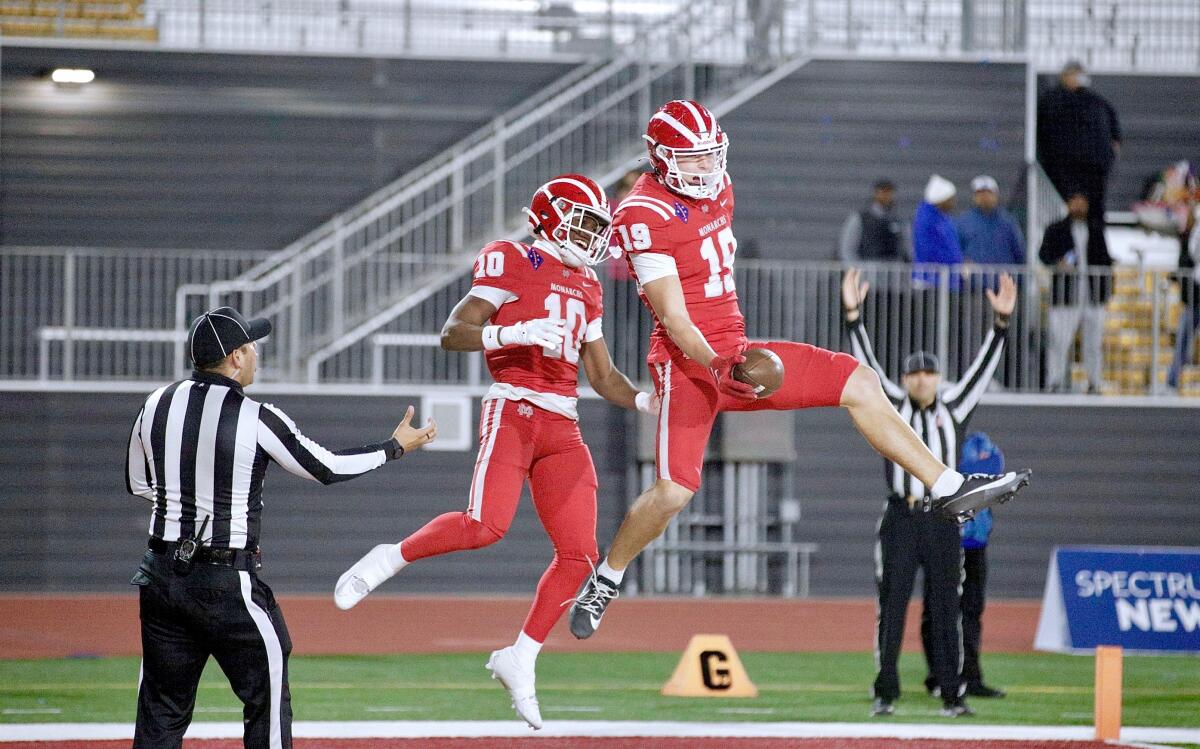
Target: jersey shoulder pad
x=644, y=209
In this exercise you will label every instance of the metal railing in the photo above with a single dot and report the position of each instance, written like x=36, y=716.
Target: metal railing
x=77, y=314
x=944, y=311
x=81, y=316
x=1153, y=35
x=371, y=263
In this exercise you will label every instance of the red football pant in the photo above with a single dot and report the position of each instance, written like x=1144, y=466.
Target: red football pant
x=812, y=377
x=518, y=440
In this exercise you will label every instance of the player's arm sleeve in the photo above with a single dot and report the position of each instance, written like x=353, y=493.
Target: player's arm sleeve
x=137, y=466
x=860, y=345
x=651, y=266
x=642, y=226
x=301, y=456
x=491, y=294
x=496, y=273
x=963, y=396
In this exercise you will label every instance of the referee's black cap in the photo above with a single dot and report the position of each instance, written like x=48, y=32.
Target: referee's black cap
x=921, y=361
x=218, y=332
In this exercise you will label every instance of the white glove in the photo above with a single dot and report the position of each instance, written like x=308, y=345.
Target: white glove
x=545, y=332
x=647, y=403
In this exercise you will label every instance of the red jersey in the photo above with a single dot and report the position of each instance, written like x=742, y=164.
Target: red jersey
x=528, y=282
x=697, y=235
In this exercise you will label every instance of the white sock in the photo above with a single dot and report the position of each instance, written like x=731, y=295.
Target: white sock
x=526, y=649
x=609, y=573
x=395, y=559
x=948, y=483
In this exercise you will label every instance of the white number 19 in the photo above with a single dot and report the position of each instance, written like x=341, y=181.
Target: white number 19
x=720, y=266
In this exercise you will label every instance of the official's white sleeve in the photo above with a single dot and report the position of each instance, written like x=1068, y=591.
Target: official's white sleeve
x=137, y=479
x=491, y=294
x=300, y=456
x=651, y=266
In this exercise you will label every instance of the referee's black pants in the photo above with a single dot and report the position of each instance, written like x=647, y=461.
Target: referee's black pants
x=220, y=611
x=973, y=600
x=908, y=540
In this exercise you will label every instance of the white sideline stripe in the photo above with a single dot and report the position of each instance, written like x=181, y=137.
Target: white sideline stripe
x=590, y=728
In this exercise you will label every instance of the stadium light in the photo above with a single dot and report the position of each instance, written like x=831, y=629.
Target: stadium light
x=72, y=75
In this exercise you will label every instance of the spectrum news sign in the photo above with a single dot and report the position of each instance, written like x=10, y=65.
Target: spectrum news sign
x=1138, y=598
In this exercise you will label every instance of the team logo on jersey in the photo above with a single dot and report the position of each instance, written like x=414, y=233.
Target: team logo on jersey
x=524, y=409
x=681, y=211
x=535, y=258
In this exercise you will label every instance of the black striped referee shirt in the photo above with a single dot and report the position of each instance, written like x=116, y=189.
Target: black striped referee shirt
x=943, y=424
x=200, y=447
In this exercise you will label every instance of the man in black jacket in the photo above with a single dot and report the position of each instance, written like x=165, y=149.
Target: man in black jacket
x=1078, y=138
x=1076, y=252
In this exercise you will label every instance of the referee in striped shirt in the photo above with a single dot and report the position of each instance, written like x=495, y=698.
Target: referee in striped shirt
x=199, y=451
x=908, y=536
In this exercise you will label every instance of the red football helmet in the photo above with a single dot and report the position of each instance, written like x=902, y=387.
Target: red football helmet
x=686, y=129
x=572, y=212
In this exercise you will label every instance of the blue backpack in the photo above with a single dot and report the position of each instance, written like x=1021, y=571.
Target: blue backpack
x=979, y=455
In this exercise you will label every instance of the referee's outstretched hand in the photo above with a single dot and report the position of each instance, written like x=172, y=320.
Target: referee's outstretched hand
x=411, y=438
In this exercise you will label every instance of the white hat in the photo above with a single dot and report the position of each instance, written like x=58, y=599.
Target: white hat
x=939, y=190
x=985, y=182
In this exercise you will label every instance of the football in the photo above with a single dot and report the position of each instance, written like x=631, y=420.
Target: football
x=763, y=369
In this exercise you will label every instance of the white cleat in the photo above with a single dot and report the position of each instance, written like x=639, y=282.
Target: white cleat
x=366, y=575
x=519, y=682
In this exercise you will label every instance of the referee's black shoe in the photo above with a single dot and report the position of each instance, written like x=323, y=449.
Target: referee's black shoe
x=980, y=490
x=593, y=598
x=956, y=708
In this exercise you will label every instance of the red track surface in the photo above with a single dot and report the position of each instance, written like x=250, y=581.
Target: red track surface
x=598, y=743
x=47, y=626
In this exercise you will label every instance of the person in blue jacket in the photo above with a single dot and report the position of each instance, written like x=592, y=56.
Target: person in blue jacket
x=988, y=234
x=979, y=455
x=935, y=240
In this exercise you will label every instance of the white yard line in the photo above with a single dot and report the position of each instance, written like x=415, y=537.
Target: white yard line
x=512, y=728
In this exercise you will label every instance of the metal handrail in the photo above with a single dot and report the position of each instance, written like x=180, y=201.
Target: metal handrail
x=329, y=254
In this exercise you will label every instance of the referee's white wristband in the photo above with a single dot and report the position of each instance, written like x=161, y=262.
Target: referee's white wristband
x=491, y=338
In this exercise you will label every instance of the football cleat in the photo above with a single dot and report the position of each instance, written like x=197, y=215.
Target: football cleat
x=979, y=490
x=507, y=670
x=366, y=575
x=587, y=610
x=881, y=708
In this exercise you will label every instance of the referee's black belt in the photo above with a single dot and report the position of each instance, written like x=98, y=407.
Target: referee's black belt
x=239, y=559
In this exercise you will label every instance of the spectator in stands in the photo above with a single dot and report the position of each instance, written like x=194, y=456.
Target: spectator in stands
x=1077, y=253
x=935, y=240
x=1189, y=292
x=988, y=233
x=765, y=18
x=1078, y=138
x=876, y=233
x=979, y=455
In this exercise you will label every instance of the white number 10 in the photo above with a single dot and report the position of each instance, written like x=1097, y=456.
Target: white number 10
x=720, y=266
x=575, y=322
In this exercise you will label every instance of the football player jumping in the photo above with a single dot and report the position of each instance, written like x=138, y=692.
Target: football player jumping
x=676, y=231
x=535, y=310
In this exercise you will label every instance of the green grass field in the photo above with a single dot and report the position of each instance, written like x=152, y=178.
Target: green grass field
x=1043, y=689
